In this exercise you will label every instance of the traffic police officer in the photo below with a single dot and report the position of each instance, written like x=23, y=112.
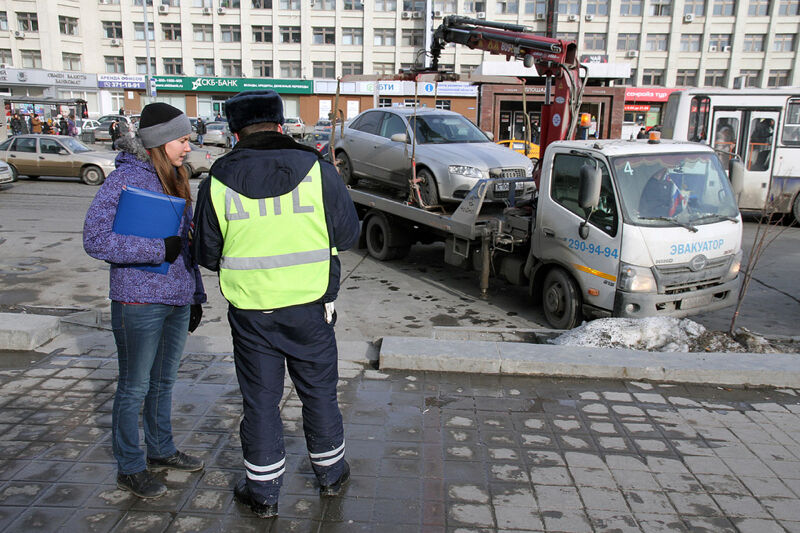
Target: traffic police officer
x=271, y=219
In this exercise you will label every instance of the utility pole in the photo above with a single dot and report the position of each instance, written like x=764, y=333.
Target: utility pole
x=150, y=88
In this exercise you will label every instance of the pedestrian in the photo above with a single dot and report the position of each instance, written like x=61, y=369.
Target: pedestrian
x=16, y=125
x=218, y=118
x=47, y=126
x=231, y=136
x=72, y=128
x=278, y=316
x=63, y=127
x=36, y=124
x=201, y=131
x=151, y=313
x=122, y=111
x=113, y=132
x=642, y=133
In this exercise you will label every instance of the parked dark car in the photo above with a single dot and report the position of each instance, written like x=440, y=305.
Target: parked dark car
x=316, y=139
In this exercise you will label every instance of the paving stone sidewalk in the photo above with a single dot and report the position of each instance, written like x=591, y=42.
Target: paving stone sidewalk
x=429, y=451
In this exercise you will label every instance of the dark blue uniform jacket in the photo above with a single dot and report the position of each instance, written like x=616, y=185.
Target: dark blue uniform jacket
x=265, y=165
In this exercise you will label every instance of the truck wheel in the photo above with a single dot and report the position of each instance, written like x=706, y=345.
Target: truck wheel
x=561, y=300
x=346, y=169
x=427, y=187
x=379, y=235
x=92, y=175
x=796, y=209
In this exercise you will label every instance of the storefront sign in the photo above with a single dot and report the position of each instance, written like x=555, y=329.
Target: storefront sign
x=120, y=81
x=637, y=107
x=232, y=85
x=594, y=58
x=384, y=87
x=647, y=94
x=448, y=89
x=47, y=78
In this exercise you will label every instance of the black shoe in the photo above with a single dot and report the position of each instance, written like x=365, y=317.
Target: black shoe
x=335, y=488
x=142, y=484
x=262, y=510
x=177, y=461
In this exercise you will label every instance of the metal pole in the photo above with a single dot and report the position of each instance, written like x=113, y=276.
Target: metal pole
x=147, y=47
x=485, y=267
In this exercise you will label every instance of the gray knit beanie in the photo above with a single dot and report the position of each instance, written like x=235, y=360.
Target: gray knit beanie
x=161, y=123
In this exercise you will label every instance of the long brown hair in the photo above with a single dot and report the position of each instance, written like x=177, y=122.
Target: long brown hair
x=175, y=181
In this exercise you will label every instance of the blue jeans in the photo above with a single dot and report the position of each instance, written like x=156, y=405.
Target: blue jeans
x=200, y=140
x=150, y=340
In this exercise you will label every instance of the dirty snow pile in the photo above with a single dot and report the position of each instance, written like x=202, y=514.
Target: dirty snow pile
x=653, y=334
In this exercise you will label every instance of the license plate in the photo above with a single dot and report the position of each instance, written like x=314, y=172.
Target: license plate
x=695, y=301
x=503, y=186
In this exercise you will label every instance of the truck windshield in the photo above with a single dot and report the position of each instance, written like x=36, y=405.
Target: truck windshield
x=674, y=189
x=442, y=129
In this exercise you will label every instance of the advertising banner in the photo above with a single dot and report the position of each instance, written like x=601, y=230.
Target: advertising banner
x=120, y=81
x=231, y=85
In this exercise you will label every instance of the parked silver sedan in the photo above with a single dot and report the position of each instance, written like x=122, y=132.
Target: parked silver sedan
x=199, y=160
x=5, y=174
x=217, y=133
x=56, y=155
x=452, y=154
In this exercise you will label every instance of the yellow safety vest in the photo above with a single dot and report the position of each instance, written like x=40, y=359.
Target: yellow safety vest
x=276, y=251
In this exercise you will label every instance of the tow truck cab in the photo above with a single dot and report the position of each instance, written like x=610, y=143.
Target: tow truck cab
x=661, y=235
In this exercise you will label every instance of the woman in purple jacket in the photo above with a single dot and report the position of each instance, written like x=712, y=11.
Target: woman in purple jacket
x=151, y=313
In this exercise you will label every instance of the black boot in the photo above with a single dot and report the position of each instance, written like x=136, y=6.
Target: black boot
x=177, y=461
x=335, y=488
x=142, y=484
x=243, y=495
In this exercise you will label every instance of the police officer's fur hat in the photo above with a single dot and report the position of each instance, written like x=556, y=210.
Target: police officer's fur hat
x=252, y=107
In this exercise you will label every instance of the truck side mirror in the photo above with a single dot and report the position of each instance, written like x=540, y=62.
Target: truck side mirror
x=736, y=174
x=591, y=179
x=489, y=135
x=399, y=138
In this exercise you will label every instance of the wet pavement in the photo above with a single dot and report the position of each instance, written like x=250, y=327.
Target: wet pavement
x=429, y=452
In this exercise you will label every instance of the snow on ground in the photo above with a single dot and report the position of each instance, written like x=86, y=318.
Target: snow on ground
x=654, y=334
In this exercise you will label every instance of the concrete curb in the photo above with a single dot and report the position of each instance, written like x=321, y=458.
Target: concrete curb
x=512, y=358
x=20, y=331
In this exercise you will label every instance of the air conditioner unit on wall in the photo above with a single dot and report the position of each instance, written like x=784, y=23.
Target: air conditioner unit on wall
x=726, y=48
x=163, y=9
x=103, y=2
x=416, y=14
x=405, y=15
x=19, y=34
x=540, y=16
x=572, y=18
x=688, y=17
x=481, y=14
x=437, y=14
x=116, y=42
x=712, y=48
x=632, y=53
x=206, y=11
x=589, y=17
x=221, y=10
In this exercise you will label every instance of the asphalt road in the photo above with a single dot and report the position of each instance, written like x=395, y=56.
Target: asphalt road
x=42, y=263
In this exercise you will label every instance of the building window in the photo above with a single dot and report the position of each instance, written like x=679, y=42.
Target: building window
x=290, y=69
x=112, y=29
x=474, y=7
x=71, y=61
x=204, y=67
x=385, y=5
x=627, y=41
x=412, y=38
x=353, y=5
x=290, y=34
x=262, y=68
x=324, y=36
x=5, y=57
x=293, y=5
x=172, y=3
x=231, y=33
x=630, y=8
x=503, y=7
x=753, y=42
x=443, y=104
x=751, y=77
x=262, y=4
x=691, y=42
x=3, y=20
x=233, y=4
x=535, y=7
x=384, y=102
x=724, y=8
x=594, y=41
x=569, y=7
x=715, y=77
x=352, y=67
x=445, y=6
x=467, y=70
x=718, y=41
x=413, y=5
x=31, y=58
x=172, y=32
x=262, y=34
x=232, y=67
x=28, y=21
x=141, y=65
x=353, y=36
x=789, y=7
x=631, y=79
x=383, y=68
x=778, y=78
x=324, y=5
x=597, y=7
x=114, y=64
x=173, y=65
x=657, y=42
x=384, y=37
x=758, y=8
x=138, y=31
x=694, y=7
x=567, y=36
x=653, y=76
x=67, y=25
x=324, y=69
x=661, y=8
x=202, y=3
x=687, y=77
x=783, y=42
x=203, y=32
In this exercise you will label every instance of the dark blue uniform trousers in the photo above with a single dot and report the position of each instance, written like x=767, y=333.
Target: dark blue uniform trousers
x=262, y=342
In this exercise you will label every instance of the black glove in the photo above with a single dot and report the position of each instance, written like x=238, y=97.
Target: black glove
x=195, y=316
x=172, y=248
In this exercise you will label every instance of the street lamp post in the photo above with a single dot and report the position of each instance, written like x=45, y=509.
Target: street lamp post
x=149, y=85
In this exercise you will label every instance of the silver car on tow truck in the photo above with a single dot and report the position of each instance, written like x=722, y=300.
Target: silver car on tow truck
x=451, y=154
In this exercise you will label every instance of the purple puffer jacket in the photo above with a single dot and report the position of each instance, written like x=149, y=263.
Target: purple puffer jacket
x=182, y=284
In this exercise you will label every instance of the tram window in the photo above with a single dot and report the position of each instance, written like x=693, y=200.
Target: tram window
x=760, y=146
x=698, y=119
x=791, y=128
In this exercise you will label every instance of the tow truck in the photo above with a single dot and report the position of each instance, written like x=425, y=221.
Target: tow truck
x=618, y=228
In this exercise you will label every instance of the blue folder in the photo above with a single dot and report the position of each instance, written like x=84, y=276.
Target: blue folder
x=148, y=214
